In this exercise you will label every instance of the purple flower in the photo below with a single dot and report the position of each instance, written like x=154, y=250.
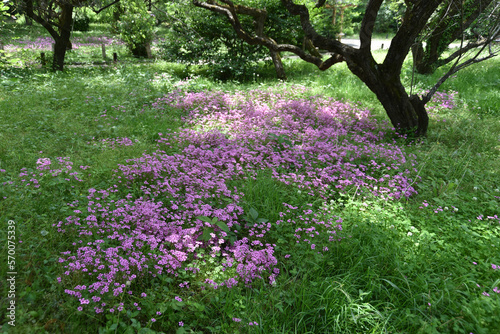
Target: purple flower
x=316, y=145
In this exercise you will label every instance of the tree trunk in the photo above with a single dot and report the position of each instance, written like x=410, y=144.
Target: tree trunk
x=63, y=40
x=418, y=54
x=141, y=50
x=407, y=113
x=425, y=62
x=278, y=64
x=59, y=55
x=28, y=21
x=309, y=46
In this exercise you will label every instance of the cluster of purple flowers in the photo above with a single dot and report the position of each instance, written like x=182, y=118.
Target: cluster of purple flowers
x=495, y=289
x=60, y=166
x=147, y=223
x=443, y=100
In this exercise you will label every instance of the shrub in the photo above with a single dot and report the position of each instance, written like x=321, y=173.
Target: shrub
x=136, y=27
x=81, y=23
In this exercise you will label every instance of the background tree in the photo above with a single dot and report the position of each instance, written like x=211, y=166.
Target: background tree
x=335, y=18
x=199, y=37
x=81, y=20
x=451, y=22
x=135, y=24
x=406, y=112
x=388, y=18
x=57, y=18
x=3, y=13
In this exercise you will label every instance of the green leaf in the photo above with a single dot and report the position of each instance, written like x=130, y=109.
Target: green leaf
x=129, y=330
x=180, y=330
x=254, y=214
x=147, y=331
x=222, y=226
x=206, y=234
x=204, y=219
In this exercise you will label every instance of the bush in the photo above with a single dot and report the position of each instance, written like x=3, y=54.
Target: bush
x=205, y=38
x=81, y=23
x=136, y=26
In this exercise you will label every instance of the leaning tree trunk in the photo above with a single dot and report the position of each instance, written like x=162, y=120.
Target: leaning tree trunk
x=62, y=42
x=59, y=55
x=407, y=113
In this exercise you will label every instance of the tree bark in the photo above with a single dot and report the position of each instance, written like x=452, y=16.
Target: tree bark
x=308, y=45
x=59, y=55
x=28, y=21
x=63, y=40
x=407, y=113
x=278, y=64
x=418, y=52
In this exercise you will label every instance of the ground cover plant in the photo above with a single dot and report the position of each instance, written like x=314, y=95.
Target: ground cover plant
x=147, y=202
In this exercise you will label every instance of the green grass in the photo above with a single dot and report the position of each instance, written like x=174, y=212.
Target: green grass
x=401, y=267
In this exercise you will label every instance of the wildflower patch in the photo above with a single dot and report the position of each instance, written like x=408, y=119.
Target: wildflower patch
x=178, y=212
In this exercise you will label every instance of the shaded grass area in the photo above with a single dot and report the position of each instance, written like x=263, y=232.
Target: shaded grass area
x=421, y=265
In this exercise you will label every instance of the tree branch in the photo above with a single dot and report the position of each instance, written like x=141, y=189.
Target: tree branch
x=454, y=69
x=232, y=11
x=105, y=7
x=318, y=40
x=416, y=16
x=468, y=47
x=457, y=67
x=368, y=23
x=46, y=24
